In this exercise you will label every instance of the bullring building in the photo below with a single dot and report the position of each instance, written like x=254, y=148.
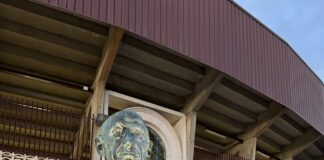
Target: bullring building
x=209, y=80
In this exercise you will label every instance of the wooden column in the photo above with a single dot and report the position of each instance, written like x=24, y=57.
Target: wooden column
x=110, y=50
x=202, y=91
x=299, y=145
x=97, y=107
x=95, y=104
x=247, y=149
x=264, y=121
x=194, y=102
x=191, y=132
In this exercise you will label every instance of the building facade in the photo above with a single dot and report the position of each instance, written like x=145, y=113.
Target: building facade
x=222, y=83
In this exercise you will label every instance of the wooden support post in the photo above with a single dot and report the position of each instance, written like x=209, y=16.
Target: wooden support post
x=300, y=144
x=191, y=132
x=202, y=91
x=264, y=121
x=83, y=131
x=95, y=104
x=97, y=107
x=247, y=149
x=108, y=56
x=109, y=53
x=194, y=102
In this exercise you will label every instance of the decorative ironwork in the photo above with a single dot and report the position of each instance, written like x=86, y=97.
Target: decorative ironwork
x=16, y=156
x=158, y=150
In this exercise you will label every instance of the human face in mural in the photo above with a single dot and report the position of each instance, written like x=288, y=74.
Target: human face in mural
x=123, y=136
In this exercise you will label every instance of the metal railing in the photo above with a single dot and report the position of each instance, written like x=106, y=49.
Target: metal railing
x=38, y=129
x=34, y=130
x=205, y=154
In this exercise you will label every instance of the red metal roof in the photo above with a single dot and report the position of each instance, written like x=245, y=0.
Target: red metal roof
x=222, y=35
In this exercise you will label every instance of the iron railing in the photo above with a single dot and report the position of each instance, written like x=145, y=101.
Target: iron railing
x=205, y=154
x=39, y=129
x=35, y=130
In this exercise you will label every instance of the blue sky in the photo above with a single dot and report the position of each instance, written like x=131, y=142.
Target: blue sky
x=299, y=22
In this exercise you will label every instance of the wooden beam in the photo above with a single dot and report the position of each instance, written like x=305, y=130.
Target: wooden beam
x=71, y=104
x=264, y=121
x=97, y=107
x=122, y=60
x=52, y=25
x=164, y=65
x=147, y=93
x=212, y=135
x=245, y=92
x=262, y=156
x=194, y=102
x=108, y=55
x=293, y=123
x=300, y=144
x=191, y=133
x=43, y=86
x=81, y=137
x=207, y=144
x=49, y=48
x=82, y=48
x=206, y=112
x=233, y=106
x=247, y=149
x=202, y=91
x=58, y=15
x=163, y=54
x=282, y=133
x=146, y=79
x=11, y=54
x=268, y=145
x=95, y=102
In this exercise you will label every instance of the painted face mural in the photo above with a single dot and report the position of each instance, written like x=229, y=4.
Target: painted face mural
x=123, y=136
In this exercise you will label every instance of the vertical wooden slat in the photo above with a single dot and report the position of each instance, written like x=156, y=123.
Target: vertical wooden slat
x=15, y=106
x=2, y=106
x=71, y=135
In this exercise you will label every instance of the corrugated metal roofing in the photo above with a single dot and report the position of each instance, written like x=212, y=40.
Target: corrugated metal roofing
x=222, y=35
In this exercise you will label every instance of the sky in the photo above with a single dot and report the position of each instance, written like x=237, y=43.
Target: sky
x=298, y=22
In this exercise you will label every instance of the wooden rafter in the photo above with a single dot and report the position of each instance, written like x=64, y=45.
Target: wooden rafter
x=108, y=56
x=202, y=91
x=300, y=144
x=264, y=121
